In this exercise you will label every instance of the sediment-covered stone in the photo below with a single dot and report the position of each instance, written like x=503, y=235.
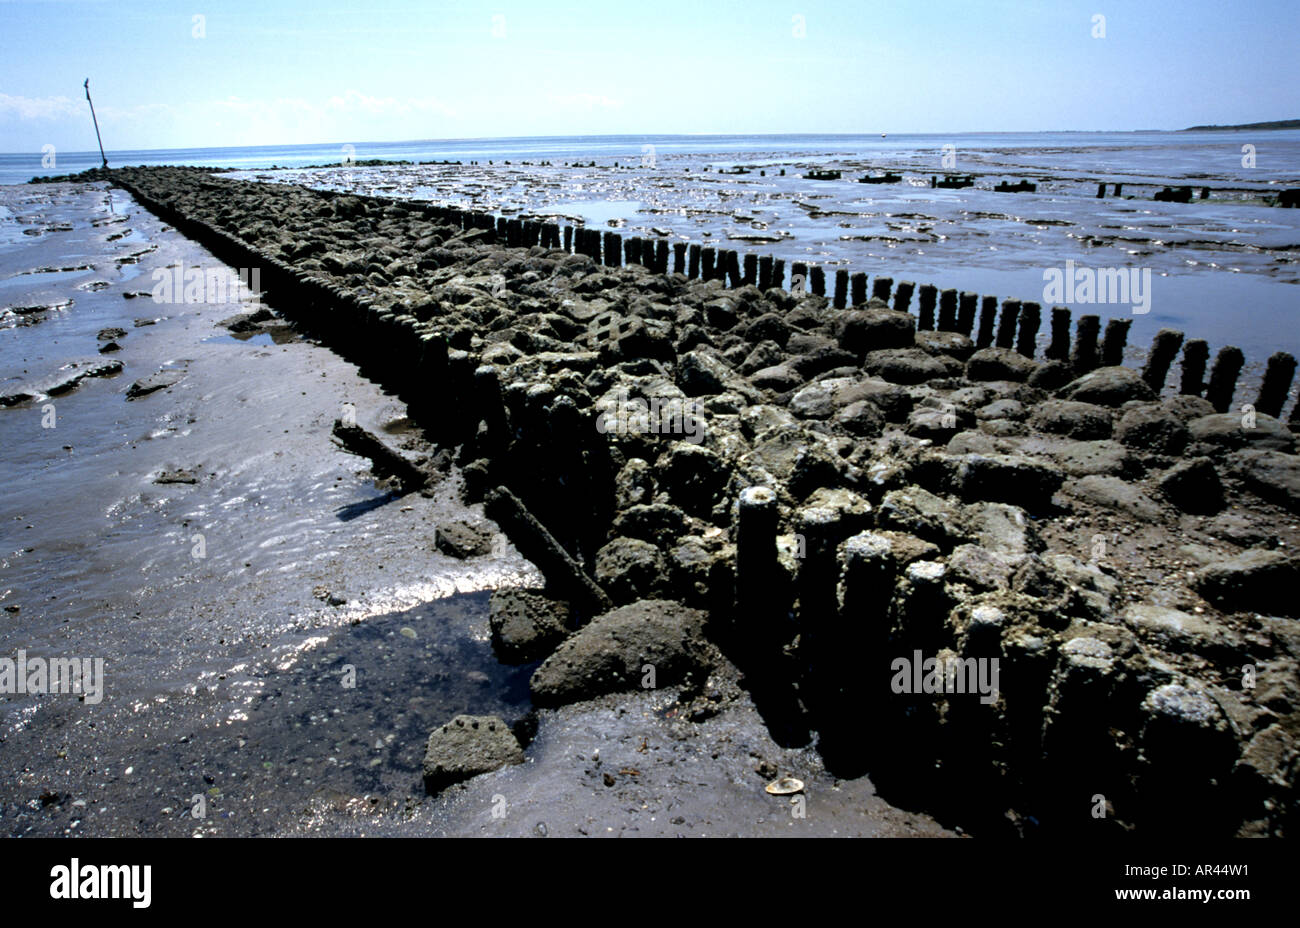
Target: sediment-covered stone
x=1255, y=580
x=1108, y=386
x=526, y=625
x=653, y=641
x=467, y=746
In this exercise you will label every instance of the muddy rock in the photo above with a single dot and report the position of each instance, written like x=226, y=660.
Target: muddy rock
x=938, y=424
x=779, y=378
x=768, y=327
x=1108, y=386
x=526, y=625
x=1117, y=494
x=852, y=512
x=765, y=354
x=1000, y=528
x=1152, y=428
x=462, y=540
x=1187, y=408
x=651, y=641
x=1174, y=629
x=892, y=400
x=658, y=523
x=1274, y=475
x=820, y=400
x=905, y=365
x=823, y=360
x=154, y=382
x=1006, y=478
x=1228, y=432
x=1237, y=527
x=919, y=512
x=1253, y=581
x=757, y=419
x=1083, y=421
x=981, y=569
x=972, y=442
x=1081, y=458
x=864, y=330
x=703, y=373
x=862, y=419
x=630, y=569
x=952, y=344
x=467, y=746
x=1193, y=486
x=635, y=483
x=694, y=477
x=999, y=364
x=1097, y=590
x=1002, y=409
x=1051, y=375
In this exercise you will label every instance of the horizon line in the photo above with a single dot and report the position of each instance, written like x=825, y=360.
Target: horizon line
x=666, y=135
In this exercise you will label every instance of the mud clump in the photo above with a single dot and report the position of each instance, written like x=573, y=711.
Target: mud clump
x=647, y=644
x=467, y=746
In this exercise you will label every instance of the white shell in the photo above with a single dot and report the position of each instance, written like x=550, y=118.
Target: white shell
x=785, y=786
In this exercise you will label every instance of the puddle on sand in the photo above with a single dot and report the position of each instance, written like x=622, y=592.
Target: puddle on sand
x=346, y=717
x=598, y=212
x=44, y=278
x=260, y=338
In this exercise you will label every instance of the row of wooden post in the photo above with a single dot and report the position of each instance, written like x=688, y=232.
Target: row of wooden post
x=1016, y=327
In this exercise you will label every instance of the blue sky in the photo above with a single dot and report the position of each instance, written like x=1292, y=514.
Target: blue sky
x=299, y=72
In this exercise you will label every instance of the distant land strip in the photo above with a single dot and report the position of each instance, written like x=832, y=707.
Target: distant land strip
x=1276, y=124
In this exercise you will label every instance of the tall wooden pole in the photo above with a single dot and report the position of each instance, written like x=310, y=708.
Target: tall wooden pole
x=96, y=121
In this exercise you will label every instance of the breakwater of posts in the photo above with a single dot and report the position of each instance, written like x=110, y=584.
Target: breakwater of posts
x=843, y=473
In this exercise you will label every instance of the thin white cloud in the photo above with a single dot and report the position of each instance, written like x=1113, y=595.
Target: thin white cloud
x=351, y=102
x=584, y=101
x=39, y=107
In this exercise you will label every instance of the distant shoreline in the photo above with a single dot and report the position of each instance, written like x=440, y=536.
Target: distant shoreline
x=1275, y=124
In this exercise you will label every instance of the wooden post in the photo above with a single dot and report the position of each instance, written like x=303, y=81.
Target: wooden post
x=1277, y=384
x=858, y=288
x=1030, y=319
x=1196, y=354
x=841, y=289
x=967, y=307
x=925, y=319
x=1059, y=349
x=1084, y=358
x=1112, y=344
x=948, y=310
x=1223, y=377
x=1164, y=348
x=903, y=296
x=1007, y=323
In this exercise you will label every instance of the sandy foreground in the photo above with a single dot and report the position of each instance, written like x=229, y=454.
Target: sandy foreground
x=231, y=564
